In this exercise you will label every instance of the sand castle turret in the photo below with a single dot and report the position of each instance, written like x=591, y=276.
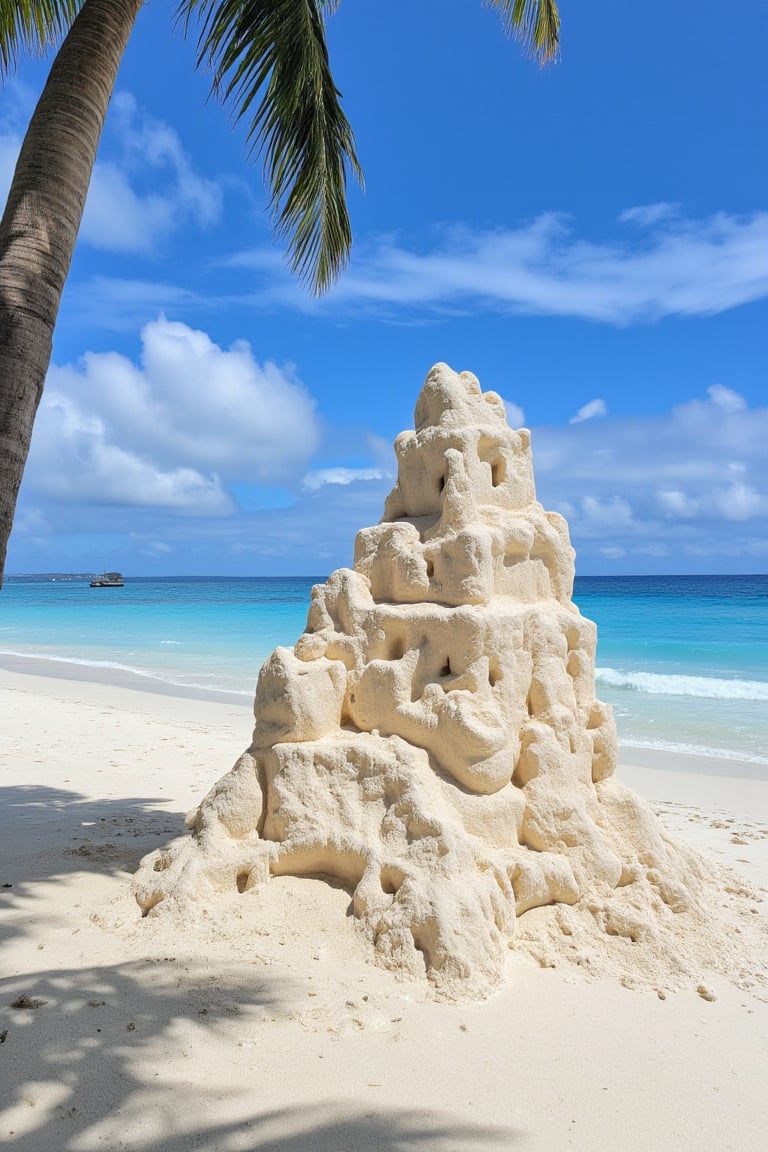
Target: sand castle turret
x=433, y=739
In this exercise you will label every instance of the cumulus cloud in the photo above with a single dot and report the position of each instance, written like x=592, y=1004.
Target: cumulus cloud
x=732, y=502
x=601, y=515
x=119, y=219
x=676, y=503
x=667, y=266
x=122, y=213
x=95, y=470
x=172, y=431
x=119, y=216
x=685, y=483
x=589, y=411
x=163, y=443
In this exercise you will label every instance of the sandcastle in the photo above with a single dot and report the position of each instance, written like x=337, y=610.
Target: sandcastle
x=433, y=740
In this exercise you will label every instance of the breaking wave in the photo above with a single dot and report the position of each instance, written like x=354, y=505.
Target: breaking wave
x=694, y=750
x=704, y=687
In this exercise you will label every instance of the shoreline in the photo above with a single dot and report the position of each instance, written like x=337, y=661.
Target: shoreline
x=71, y=672
x=262, y=1024
x=716, y=804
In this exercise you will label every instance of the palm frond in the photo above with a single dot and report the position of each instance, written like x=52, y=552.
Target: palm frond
x=535, y=23
x=269, y=60
x=30, y=27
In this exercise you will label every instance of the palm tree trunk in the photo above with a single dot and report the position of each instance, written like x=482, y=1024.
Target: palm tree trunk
x=41, y=221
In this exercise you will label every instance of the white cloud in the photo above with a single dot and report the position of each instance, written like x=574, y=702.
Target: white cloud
x=515, y=414
x=684, y=483
x=322, y=476
x=604, y=515
x=726, y=398
x=120, y=218
x=146, y=140
x=164, y=439
x=685, y=267
x=646, y=215
x=588, y=411
x=652, y=549
x=676, y=503
x=122, y=214
x=739, y=502
x=82, y=464
x=173, y=431
x=736, y=502
x=382, y=452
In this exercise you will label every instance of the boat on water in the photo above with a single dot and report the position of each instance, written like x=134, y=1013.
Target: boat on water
x=108, y=580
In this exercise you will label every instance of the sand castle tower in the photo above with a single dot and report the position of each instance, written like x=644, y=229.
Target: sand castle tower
x=433, y=739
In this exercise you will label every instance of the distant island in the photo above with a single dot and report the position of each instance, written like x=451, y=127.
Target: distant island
x=45, y=576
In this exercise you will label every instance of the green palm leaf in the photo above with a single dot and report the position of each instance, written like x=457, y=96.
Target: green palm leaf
x=32, y=26
x=535, y=23
x=275, y=52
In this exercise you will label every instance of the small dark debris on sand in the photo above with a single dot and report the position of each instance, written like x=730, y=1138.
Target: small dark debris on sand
x=28, y=1002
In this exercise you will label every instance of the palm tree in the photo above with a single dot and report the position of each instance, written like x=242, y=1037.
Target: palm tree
x=267, y=55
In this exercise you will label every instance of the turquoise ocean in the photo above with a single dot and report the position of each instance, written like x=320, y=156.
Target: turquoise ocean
x=682, y=659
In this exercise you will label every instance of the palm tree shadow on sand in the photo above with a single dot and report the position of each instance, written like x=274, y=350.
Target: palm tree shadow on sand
x=76, y=833
x=86, y=1068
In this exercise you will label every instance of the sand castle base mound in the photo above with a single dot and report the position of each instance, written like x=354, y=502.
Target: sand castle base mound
x=433, y=742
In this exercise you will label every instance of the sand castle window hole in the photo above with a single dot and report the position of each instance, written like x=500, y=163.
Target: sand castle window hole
x=391, y=880
x=572, y=638
x=423, y=940
x=488, y=450
x=151, y=901
x=397, y=648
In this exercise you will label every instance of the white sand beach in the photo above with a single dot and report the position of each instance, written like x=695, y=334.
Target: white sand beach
x=263, y=1026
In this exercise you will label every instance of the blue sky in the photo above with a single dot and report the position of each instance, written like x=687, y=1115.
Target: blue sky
x=590, y=239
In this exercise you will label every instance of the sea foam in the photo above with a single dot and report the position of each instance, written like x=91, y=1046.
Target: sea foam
x=115, y=666
x=703, y=750
x=663, y=684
